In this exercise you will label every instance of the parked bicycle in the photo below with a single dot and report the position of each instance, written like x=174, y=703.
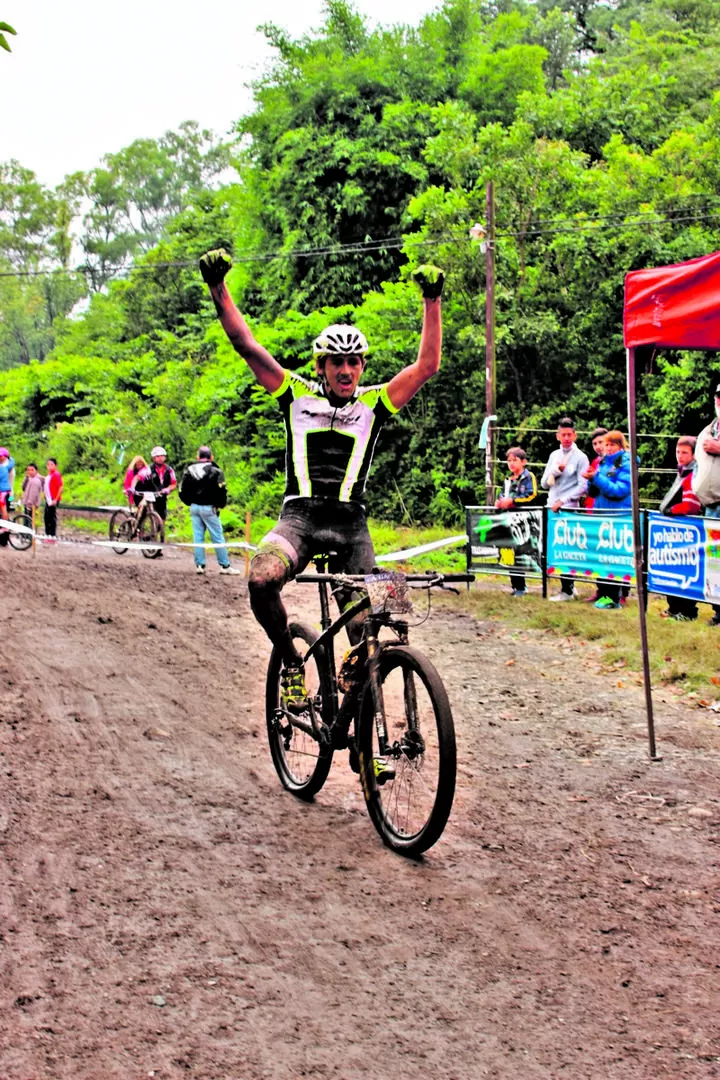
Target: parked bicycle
x=144, y=525
x=394, y=716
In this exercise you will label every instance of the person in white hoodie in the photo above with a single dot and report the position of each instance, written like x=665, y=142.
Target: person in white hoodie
x=566, y=485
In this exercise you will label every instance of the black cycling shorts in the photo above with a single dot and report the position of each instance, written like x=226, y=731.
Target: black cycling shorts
x=308, y=527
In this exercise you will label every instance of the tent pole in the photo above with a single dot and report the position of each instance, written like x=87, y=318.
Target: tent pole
x=639, y=557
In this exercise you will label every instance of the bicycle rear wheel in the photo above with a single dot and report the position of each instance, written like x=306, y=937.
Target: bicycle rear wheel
x=21, y=541
x=120, y=528
x=300, y=761
x=151, y=531
x=410, y=810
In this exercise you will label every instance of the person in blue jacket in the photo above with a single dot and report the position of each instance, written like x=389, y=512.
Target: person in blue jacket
x=611, y=488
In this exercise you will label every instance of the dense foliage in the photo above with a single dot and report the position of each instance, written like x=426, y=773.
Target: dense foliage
x=369, y=150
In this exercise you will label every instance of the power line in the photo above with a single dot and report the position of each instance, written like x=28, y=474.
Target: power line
x=541, y=228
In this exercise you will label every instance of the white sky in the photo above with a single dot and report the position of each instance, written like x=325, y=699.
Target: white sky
x=87, y=77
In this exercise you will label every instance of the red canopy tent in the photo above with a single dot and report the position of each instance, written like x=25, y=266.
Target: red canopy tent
x=671, y=307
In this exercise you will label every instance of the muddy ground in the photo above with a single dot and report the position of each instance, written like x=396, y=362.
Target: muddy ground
x=167, y=910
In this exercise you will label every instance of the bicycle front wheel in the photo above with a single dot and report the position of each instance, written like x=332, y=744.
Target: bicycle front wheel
x=21, y=541
x=120, y=528
x=300, y=761
x=151, y=531
x=409, y=784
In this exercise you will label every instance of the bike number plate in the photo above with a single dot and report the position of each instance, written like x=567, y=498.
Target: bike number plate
x=388, y=592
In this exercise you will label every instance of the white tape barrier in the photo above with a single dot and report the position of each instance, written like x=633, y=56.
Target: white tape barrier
x=145, y=544
x=14, y=526
x=134, y=545
x=408, y=553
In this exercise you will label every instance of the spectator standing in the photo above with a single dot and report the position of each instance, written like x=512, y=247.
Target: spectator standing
x=679, y=501
x=612, y=483
x=52, y=489
x=708, y=442
x=7, y=475
x=203, y=489
x=32, y=490
x=598, y=444
x=564, y=478
x=137, y=463
x=520, y=492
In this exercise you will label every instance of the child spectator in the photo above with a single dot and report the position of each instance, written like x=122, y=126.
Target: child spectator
x=32, y=489
x=680, y=500
x=520, y=491
x=598, y=444
x=613, y=486
x=52, y=488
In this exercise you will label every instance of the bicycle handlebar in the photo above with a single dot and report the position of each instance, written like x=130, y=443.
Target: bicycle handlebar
x=429, y=578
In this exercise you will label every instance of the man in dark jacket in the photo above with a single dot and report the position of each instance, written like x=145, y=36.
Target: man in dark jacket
x=203, y=489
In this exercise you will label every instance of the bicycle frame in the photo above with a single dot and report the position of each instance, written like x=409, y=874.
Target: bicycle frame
x=324, y=646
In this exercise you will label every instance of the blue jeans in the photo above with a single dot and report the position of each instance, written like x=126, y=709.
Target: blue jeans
x=202, y=518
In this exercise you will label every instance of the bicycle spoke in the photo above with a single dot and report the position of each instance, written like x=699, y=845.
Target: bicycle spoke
x=411, y=807
x=301, y=762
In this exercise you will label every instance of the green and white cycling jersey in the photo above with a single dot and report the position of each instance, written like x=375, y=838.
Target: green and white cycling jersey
x=329, y=449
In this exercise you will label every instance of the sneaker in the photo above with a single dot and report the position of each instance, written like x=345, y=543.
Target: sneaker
x=683, y=618
x=591, y=599
x=519, y=592
x=606, y=604
x=383, y=770
x=561, y=597
x=199, y=569
x=230, y=570
x=293, y=693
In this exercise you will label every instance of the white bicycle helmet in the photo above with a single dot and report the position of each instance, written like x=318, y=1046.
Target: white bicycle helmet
x=340, y=340
x=157, y=451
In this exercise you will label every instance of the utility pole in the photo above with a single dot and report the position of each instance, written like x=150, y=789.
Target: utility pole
x=491, y=445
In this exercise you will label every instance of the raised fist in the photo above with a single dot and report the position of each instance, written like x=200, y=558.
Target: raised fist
x=430, y=279
x=214, y=265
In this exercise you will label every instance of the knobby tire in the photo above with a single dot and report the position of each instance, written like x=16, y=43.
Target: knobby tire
x=120, y=528
x=411, y=811
x=21, y=541
x=151, y=531
x=300, y=761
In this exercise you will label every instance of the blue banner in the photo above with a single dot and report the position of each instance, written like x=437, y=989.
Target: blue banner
x=676, y=556
x=591, y=546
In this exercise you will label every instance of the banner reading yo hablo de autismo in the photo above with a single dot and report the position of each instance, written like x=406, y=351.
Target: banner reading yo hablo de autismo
x=504, y=540
x=684, y=557
x=591, y=546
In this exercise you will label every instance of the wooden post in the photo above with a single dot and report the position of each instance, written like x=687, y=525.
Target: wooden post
x=247, y=541
x=490, y=447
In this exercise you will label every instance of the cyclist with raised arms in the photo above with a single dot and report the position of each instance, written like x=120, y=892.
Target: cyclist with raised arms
x=331, y=429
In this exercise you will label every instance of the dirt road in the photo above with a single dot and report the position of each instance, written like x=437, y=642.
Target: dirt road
x=167, y=910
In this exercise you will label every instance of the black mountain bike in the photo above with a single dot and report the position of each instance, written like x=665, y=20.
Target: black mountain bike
x=144, y=525
x=394, y=716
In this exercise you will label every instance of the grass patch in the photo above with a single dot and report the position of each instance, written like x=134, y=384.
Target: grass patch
x=682, y=655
